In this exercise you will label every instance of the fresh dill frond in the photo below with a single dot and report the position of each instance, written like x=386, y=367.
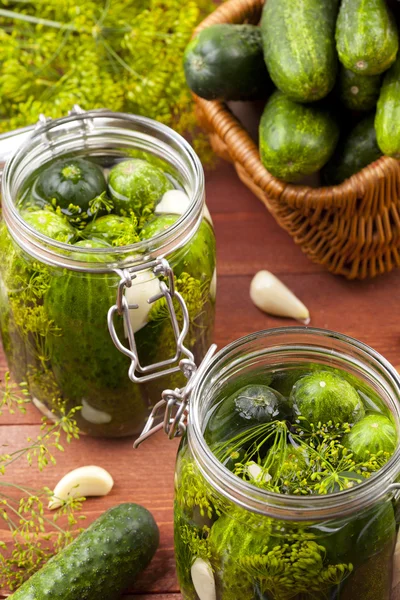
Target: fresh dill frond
x=124, y=55
x=195, y=493
x=34, y=537
x=13, y=396
x=289, y=570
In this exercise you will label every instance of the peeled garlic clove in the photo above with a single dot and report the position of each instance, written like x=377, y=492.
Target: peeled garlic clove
x=257, y=473
x=176, y=202
x=270, y=295
x=203, y=579
x=207, y=215
x=144, y=286
x=93, y=415
x=173, y=202
x=85, y=481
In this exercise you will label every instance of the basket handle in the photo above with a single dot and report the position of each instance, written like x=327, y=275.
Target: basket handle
x=235, y=11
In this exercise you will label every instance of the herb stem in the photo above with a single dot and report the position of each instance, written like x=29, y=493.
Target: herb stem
x=9, y=14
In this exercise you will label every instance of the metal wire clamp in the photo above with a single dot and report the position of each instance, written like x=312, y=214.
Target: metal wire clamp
x=175, y=402
x=137, y=372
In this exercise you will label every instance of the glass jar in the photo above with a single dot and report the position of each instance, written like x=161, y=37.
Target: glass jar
x=234, y=540
x=56, y=299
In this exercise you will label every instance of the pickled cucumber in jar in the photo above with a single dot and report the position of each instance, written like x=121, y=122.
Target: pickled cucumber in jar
x=54, y=319
x=304, y=431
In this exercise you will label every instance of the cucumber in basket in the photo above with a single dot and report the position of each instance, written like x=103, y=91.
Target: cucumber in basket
x=366, y=36
x=225, y=62
x=357, y=150
x=295, y=140
x=357, y=91
x=388, y=112
x=299, y=46
x=102, y=562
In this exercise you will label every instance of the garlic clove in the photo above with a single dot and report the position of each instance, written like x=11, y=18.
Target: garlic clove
x=270, y=295
x=43, y=409
x=257, y=473
x=94, y=415
x=207, y=215
x=213, y=286
x=176, y=202
x=144, y=286
x=203, y=579
x=84, y=481
x=173, y=202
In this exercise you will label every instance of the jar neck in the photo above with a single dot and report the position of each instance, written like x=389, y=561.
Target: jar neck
x=95, y=133
x=274, y=348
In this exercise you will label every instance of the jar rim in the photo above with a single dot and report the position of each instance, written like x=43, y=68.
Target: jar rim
x=286, y=506
x=66, y=255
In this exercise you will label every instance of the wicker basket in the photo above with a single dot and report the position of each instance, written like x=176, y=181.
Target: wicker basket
x=352, y=229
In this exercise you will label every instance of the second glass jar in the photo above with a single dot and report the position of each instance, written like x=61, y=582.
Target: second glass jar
x=235, y=539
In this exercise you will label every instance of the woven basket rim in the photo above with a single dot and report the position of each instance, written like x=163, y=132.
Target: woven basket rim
x=249, y=11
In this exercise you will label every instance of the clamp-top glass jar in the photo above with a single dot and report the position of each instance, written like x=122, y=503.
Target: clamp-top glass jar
x=149, y=272
x=285, y=485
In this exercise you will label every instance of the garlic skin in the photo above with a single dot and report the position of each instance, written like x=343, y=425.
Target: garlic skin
x=84, y=481
x=203, y=579
x=270, y=295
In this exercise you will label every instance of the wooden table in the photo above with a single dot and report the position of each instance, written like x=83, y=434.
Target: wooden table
x=248, y=240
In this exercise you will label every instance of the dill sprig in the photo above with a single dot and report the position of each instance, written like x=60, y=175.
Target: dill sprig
x=14, y=397
x=289, y=570
x=125, y=55
x=194, y=492
x=300, y=459
x=34, y=536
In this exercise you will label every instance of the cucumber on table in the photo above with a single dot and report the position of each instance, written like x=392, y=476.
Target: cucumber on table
x=366, y=36
x=387, y=120
x=225, y=62
x=295, y=140
x=102, y=562
x=357, y=91
x=299, y=46
x=354, y=152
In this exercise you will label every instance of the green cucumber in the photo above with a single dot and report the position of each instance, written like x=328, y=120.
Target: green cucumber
x=366, y=36
x=387, y=118
x=358, y=91
x=102, y=562
x=323, y=396
x=295, y=140
x=69, y=181
x=135, y=185
x=225, y=62
x=353, y=153
x=112, y=229
x=373, y=434
x=299, y=47
x=250, y=406
x=49, y=223
x=86, y=365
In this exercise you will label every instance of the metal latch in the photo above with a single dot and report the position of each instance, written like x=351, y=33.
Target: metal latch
x=137, y=372
x=175, y=403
